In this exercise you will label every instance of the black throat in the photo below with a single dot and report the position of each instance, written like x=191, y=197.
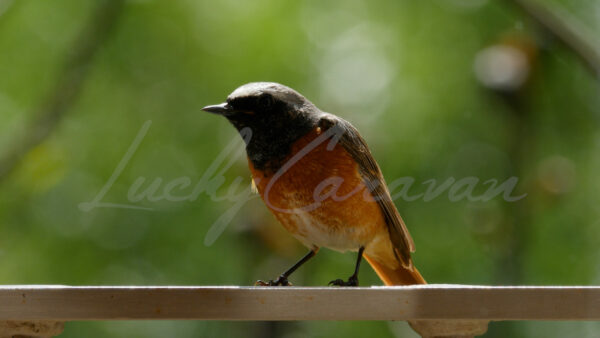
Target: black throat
x=272, y=136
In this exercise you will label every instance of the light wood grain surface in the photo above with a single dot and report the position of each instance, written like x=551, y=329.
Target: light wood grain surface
x=66, y=303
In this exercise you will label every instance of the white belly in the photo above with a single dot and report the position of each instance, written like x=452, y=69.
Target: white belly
x=311, y=232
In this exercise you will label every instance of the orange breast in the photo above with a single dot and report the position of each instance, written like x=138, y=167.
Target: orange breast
x=319, y=196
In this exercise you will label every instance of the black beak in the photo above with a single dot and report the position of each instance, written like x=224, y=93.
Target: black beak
x=220, y=109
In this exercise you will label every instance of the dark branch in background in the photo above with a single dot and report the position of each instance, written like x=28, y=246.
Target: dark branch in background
x=68, y=86
x=512, y=238
x=567, y=29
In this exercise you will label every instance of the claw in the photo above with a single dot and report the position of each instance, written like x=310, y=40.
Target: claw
x=352, y=281
x=263, y=283
x=281, y=281
x=336, y=282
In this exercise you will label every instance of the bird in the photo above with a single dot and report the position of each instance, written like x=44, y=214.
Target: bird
x=318, y=177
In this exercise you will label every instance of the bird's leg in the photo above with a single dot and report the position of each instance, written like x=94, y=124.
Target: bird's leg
x=282, y=280
x=353, y=280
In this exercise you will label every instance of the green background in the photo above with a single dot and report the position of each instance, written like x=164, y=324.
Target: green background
x=401, y=71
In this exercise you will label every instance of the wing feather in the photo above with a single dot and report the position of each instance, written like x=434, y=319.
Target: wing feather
x=348, y=137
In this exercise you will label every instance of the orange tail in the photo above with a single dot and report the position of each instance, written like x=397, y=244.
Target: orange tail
x=427, y=328
x=399, y=276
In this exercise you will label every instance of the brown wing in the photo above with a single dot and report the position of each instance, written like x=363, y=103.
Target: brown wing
x=347, y=136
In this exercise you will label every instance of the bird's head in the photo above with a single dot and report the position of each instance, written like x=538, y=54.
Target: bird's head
x=275, y=114
x=262, y=102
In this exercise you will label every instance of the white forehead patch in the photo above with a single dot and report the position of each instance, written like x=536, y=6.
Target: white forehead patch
x=277, y=90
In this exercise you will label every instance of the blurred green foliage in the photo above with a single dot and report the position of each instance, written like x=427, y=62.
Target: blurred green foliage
x=401, y=71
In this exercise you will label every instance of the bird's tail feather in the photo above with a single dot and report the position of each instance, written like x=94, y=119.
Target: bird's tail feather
x=398, y=276
x=427, y=328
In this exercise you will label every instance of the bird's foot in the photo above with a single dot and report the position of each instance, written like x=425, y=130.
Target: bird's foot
x=352, y=281
x=280, y=281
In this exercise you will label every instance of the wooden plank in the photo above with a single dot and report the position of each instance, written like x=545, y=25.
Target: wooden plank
x=66, y=303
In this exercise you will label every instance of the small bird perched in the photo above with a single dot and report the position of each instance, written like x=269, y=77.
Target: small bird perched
x=317, y=176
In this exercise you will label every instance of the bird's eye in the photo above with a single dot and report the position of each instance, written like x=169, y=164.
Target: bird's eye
x=265, y=101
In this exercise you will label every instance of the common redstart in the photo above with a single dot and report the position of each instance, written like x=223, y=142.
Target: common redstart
x=316, y=174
